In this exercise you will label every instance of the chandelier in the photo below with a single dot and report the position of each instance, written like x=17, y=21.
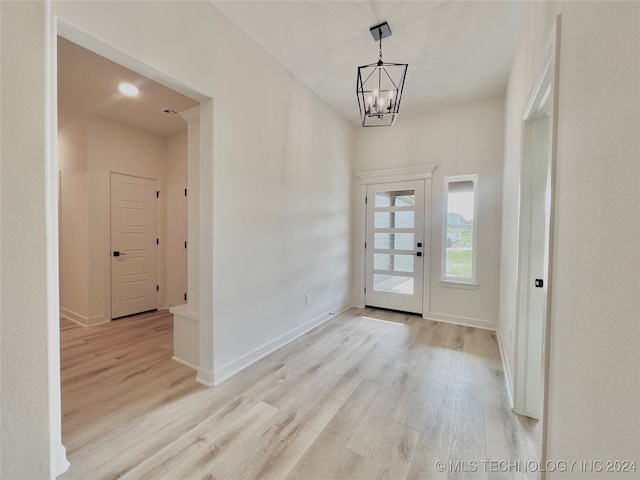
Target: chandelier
x=379, y=86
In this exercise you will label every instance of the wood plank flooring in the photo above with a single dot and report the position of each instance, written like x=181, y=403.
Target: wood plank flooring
x=371, y=394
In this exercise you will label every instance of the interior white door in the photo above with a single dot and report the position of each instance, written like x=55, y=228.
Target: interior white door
x=394, y=246
x=134, y=245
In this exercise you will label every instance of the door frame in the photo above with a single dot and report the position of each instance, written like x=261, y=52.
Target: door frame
x=543, y=101
x=364, y=178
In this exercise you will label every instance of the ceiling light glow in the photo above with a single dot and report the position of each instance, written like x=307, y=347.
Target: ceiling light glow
x=128, y=89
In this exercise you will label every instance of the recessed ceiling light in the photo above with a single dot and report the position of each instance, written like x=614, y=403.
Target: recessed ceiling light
x=128, y=89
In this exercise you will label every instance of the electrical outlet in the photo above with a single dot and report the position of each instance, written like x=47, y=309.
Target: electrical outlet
x=308, y=298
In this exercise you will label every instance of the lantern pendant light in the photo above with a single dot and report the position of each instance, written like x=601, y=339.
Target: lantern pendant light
x=379, y=86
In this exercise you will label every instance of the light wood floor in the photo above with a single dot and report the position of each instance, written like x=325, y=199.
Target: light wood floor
x=370, y=394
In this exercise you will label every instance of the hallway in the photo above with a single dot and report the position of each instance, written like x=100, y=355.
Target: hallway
x=369, y=394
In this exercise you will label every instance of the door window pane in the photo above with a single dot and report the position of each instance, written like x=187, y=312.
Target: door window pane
x=396, y=198
x=394, y=241
x=393, y=283
x=394, y=219
x=396, y=263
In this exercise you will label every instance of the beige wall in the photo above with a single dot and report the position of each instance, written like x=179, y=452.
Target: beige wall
x=460, y=140
x=89, y=150
x=74, y=221
x=594, y=371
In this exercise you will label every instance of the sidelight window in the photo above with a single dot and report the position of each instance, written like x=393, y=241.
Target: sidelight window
x=459, y=229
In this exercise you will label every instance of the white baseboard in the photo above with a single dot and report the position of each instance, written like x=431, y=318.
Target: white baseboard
x=342, y=308
x=253, y=356
x=506, y=370
x=205, y=377
x=81, y=319
x=61, y=462
x=464, y=321
x=184, y=362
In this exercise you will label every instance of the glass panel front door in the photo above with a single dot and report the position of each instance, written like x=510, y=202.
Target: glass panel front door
x=395, y=239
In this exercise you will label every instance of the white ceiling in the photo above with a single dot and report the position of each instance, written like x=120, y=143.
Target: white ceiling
x=457, y=51
x=88, y=85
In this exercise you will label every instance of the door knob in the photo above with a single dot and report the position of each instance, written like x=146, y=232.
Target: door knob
x=117, y=253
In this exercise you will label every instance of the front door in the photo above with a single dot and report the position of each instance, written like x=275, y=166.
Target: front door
x=394, y=245
x=134, y=245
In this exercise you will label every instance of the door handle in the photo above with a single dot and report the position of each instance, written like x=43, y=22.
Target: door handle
x=118, y=254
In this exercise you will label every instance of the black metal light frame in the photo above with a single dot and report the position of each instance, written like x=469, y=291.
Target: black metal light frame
x=380, y=78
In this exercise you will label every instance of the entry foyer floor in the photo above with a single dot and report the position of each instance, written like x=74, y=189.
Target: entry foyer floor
x=369, y=394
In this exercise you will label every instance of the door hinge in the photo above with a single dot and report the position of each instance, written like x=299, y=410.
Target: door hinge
x=185, y=192
x=366, y=199
x=365, y=289
x=157, y=193
x=185, y=297
x=157, y=241
x=185, y=244
x=365, y=245
x=157, y=288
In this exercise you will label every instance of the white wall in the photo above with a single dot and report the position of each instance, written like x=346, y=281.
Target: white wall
x=175, y=231
x=30, y=400
x=594, y=388
x=462, y=139
x=282, y=219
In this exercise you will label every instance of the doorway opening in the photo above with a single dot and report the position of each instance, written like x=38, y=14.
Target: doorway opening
x=156, y=150
x=104, y=135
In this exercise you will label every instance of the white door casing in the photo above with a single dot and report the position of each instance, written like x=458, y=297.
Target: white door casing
x=365, y=178
x=134, y=245
x=394, y=249
x=534, y=243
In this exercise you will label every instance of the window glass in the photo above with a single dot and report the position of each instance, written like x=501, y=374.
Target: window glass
x=459, y=225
